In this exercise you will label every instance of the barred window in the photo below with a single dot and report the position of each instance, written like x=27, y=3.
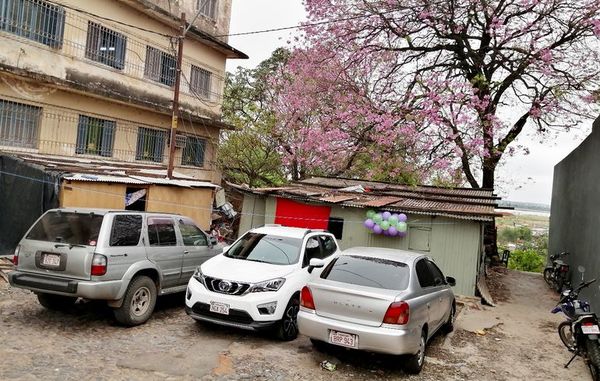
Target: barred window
x=150, y=144
x=105, y=46
x=19, y=124
x=95, y=136
x=36, y=20
x=208, y=8
x=200, y=82
x=160, y=66
x=193, y=153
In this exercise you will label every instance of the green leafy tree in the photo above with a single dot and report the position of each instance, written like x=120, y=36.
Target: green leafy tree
x=251, y=154
x=526, y=260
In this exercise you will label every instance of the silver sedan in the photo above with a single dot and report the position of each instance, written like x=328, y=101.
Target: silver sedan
x=381, y=300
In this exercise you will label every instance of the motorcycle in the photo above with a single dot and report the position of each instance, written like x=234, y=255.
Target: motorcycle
x=580, y=333
x=556, y=274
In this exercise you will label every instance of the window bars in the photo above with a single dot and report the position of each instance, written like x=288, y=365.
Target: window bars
x=208, y=8
x=150, y=144
x=160, y=66
x=105, y=46
x=33, y=19
x=95, y=136
x=193, y=153
x=19, y=124
x=200, y=82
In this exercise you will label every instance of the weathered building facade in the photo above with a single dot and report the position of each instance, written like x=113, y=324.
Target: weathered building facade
x=94, y=80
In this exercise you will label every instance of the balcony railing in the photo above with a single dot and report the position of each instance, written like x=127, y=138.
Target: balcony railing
x=107, y=44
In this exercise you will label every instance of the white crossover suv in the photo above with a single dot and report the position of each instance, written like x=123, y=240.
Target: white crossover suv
x=255, y=283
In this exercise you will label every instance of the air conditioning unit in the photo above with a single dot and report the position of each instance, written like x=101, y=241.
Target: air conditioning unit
x=180, y=141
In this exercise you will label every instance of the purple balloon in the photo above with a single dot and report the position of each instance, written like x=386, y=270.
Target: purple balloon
x=402, y=217
x=392, y=231
x=386, y=215
x=377, y=229
x=402, y=234
x=369, y=223
x=386, y=233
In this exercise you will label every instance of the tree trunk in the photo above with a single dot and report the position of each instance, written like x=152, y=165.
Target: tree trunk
x=489, y=173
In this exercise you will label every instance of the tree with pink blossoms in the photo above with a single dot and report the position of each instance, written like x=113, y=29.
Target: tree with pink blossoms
x=434, y=86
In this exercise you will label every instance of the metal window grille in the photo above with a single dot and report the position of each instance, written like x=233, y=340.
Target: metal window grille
x=95, y=136
x=193, y=153
x=200, y=82
x=208, y=8
x=36, y=20
x=19, y=124
x=105, y=46
x=150, y=144
x=160, y=66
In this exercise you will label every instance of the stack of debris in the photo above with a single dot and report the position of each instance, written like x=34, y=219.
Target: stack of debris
x=6, y=266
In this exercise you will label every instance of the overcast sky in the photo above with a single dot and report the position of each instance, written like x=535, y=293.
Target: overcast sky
x=521, y=178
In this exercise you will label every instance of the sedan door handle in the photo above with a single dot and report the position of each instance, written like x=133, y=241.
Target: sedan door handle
x=186, y=252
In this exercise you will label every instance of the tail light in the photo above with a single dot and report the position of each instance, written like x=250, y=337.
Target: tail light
x=564, y=268
x=397, y=313
x=306, y=298
x=15, y=259
x=99, y=264
x=588, y=323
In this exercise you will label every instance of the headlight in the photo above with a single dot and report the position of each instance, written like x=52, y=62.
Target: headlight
x=199, y=276
x=268, y=285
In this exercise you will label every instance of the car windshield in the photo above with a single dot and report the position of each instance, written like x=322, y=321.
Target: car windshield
x=68, y=228
x=266, y=248
x=368, y=271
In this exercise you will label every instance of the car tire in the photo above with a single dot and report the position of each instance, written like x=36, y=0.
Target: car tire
x=56, y=302
x=449, y=325
x=414, y=363
x=287, y=328
x=138, y=303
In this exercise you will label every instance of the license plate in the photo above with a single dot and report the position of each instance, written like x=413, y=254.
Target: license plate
x=51, y=260
x=590, y=329
x=343, y=339
x=220, y=308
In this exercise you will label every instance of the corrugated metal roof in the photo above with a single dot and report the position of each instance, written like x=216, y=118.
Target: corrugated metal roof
x=459, y=203
x=111, y=171
x=103, y=178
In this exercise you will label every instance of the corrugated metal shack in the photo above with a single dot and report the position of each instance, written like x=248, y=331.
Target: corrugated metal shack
x=445, y=223
x=31, y=183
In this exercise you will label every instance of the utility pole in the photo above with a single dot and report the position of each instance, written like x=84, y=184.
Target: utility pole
x=175, y=114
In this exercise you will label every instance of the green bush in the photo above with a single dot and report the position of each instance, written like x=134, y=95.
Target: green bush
x=526, y=260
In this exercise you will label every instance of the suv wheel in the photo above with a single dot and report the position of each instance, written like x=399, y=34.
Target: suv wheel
x=56, y=302
x=287, y=329
x=138, y=303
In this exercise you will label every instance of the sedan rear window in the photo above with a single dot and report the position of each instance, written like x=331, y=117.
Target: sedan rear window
x=368, y=271
x=67, y=227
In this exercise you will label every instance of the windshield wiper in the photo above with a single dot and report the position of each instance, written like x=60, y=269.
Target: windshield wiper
x=258, y=260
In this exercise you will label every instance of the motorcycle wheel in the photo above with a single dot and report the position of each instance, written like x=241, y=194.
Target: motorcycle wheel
x=548, y=276
x=566, y=335
x=558, y=285
x=593, y=354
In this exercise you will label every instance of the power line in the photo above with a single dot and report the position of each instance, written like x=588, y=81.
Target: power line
x=305, y=25
x=107, y=18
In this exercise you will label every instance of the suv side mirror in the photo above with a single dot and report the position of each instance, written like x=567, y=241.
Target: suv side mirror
x=451, y=281
x=212, y=240
x=315, y=263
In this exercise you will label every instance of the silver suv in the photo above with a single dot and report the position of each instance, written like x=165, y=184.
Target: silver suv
x=124, y=257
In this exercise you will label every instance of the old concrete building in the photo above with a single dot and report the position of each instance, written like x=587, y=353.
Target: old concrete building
x=92, y=82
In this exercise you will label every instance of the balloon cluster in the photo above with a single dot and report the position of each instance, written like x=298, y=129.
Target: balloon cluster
x=386, y=223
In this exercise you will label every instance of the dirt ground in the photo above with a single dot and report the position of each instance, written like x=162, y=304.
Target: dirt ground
x=516, y=340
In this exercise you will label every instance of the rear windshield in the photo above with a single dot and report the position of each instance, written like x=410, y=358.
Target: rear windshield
x=266, y=248
x=368, y=271
x=67, y=227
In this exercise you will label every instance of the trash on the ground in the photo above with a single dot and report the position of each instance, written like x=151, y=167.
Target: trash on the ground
x=497, y=339
x=481, y=332
x=328, y=365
